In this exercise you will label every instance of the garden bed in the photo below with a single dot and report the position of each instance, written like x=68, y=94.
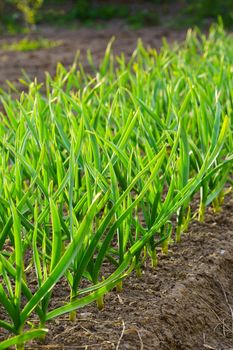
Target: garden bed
x=185, y=302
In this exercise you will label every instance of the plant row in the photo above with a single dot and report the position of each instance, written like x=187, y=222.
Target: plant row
x=100, y=170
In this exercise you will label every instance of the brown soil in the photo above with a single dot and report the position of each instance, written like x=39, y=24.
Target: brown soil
x=35, y=63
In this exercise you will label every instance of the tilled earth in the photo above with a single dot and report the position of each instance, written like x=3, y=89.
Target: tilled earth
x=35, y=63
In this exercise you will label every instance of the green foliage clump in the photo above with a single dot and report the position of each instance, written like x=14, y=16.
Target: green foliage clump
x=16, y=15
x=27, y=44
x=29, y=9
x=200, y=10
x=19, y=15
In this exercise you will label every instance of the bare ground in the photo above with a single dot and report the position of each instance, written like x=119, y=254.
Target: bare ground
x=35, y=63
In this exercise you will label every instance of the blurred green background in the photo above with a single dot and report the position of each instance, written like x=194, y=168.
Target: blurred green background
x=24, y=15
